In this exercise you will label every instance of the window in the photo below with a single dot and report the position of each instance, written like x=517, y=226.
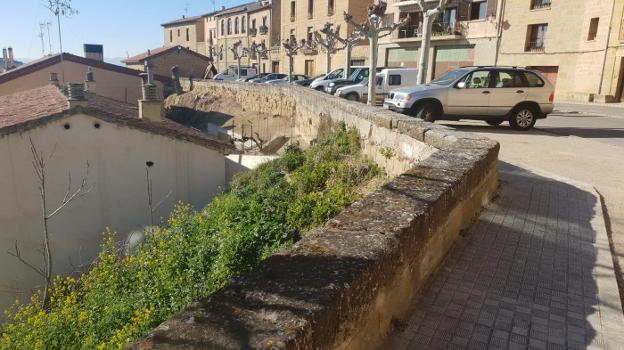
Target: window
x=236, y=25
x=536, y=34
x=170, y=35
x=292, y=10
x=330, y=7
x=178, y=33
x=533, y=80
x=310, y=8
x=478, y=80
x=229, y=26
x=187, y=35
x=593, y=28
x=264, y=20
x=509, y=79
x=222, y=27
x=253, y=23
x=243, y=25
x=394, y=79
x=310, y=34
x=540, y=4
x=292, y=35
x=478, y=10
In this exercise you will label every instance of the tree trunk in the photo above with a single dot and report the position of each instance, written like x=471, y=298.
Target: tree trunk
x=423, y=63
x=372, y=74
x=290, y=68
x=348, y=60
x=237, y=66
x=328, y=61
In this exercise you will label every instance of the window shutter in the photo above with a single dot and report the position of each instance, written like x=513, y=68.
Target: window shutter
x=463, y=10
x=491, y=8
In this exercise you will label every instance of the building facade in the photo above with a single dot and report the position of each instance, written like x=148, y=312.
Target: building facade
x=612, y=86
x=301, y=18
x=190, y=63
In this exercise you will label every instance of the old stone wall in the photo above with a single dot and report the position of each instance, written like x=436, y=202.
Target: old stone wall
x=341, y=286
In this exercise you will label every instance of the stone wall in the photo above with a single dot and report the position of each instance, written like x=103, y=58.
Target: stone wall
x=341, y=286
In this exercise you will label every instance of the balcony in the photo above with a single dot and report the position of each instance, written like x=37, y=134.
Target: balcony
x=535, y=46
x=293, y=18
x=253, y=31
x=540, y=4
x=263, y=29
x=439, y=29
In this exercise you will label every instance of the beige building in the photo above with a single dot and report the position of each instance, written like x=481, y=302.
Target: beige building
x=257, y=21
x=119, y=141
x=612, y=87
x=464, y=34
x=190, y=63
x=567, y=41
x=301, y=18
x=109, y=80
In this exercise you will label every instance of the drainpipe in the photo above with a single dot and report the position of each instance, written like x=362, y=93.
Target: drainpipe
x=604, y=59
x=499, y=30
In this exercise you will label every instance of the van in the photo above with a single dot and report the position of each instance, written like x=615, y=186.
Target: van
x=387, y=79
x=231, y=73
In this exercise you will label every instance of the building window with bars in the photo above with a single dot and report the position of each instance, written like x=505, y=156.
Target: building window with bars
x=540, y=4
x=536, y=35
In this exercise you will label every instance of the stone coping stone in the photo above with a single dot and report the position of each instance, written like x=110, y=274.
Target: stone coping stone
x=317, y=293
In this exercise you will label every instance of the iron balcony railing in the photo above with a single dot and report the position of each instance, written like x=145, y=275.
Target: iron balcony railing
x=535, y=46
x=540, y=4
x=438, y=29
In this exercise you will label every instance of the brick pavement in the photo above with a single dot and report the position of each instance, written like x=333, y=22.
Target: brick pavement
x=533, y=272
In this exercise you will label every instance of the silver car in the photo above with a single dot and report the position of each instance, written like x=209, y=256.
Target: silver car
x=492, y=94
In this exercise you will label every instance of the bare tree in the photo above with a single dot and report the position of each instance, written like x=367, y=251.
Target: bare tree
x=39, y=163
x=328, y=43
x=374, y=29
x=238, y=52
x=291, y=46
x=347, y=45
x=150, y=193
x=256, y=52
x=60, y=8
x=428, y=19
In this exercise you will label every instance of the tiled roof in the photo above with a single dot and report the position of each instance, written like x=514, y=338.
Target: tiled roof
x=250, y=6
x=181, y=21
x=161, y=51
x=50, y=60
x=27, y=109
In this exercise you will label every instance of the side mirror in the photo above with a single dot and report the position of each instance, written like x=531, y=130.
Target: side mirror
x=461, y=85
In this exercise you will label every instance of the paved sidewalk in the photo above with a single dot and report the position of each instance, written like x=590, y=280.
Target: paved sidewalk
x=533, y=272
x=607, y=109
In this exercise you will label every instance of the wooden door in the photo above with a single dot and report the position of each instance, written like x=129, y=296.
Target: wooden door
x=309, y=68
x=275, y=67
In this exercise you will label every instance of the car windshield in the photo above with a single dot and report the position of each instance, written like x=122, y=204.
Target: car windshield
x=359, y=75
x=335, y=74
x=449, y=77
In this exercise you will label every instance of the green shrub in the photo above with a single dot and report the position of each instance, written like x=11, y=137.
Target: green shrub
x=193, y=254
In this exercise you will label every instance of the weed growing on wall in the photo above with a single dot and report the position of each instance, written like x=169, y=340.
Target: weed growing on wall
x=193, y=254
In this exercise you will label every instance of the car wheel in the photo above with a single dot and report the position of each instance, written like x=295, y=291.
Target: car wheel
x=494, y=122
x=427, y=111
x=522, y=118
x=352, y=97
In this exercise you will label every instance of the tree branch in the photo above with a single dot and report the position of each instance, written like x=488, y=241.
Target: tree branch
x=18, y=255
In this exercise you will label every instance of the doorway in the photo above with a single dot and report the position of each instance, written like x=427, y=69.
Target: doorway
x=620, y=82
x=309, y=68
x=275, y=67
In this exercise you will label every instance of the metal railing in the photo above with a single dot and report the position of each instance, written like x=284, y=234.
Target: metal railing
x=535, y=46
x=438, y=29
x=540, y=4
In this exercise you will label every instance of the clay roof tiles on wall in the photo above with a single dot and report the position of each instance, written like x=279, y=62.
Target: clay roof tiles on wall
x=31, y=108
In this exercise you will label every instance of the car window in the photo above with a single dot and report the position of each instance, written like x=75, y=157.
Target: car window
x=243, y=72
x=394, y=79
x=479, y=79
x=449, y=77
x=335, y=74
x=509, y=79
x=379, y=81
x=359, y=75
x=533, y=79
x=230, y=71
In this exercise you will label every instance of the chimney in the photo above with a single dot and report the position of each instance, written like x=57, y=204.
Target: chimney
x=150, y=106
x=222, y=8
x=5, y=57
x=89, y=83
x=75, y=95
x=11, y=60
x=54, y=79
x=94, y=52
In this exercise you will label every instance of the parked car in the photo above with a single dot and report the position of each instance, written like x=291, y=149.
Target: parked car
x=295, y=77
x=318, y=83
x=261, y=75
x=231, y=73
x=307, y=82
x=387, y=79
x=358, y=73
x=492, y=94
x=268, y=77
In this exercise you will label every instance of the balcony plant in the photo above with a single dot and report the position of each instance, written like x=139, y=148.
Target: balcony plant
x=263, y=29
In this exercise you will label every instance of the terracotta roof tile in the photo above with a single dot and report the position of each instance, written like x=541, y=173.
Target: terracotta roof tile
x=30, y=108
x=161, y=51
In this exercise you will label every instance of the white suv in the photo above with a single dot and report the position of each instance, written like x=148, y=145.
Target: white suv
x=492, y=94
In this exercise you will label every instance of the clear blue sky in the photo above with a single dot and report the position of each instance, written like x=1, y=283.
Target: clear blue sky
x=122, y=26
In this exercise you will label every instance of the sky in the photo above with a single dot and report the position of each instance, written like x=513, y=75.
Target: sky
x=124, y=27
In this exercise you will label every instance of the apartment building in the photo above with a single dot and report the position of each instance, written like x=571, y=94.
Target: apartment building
x=612, y=85
x=301, y=18
x=567, y=40
x=464, y=34
x=187, y=32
